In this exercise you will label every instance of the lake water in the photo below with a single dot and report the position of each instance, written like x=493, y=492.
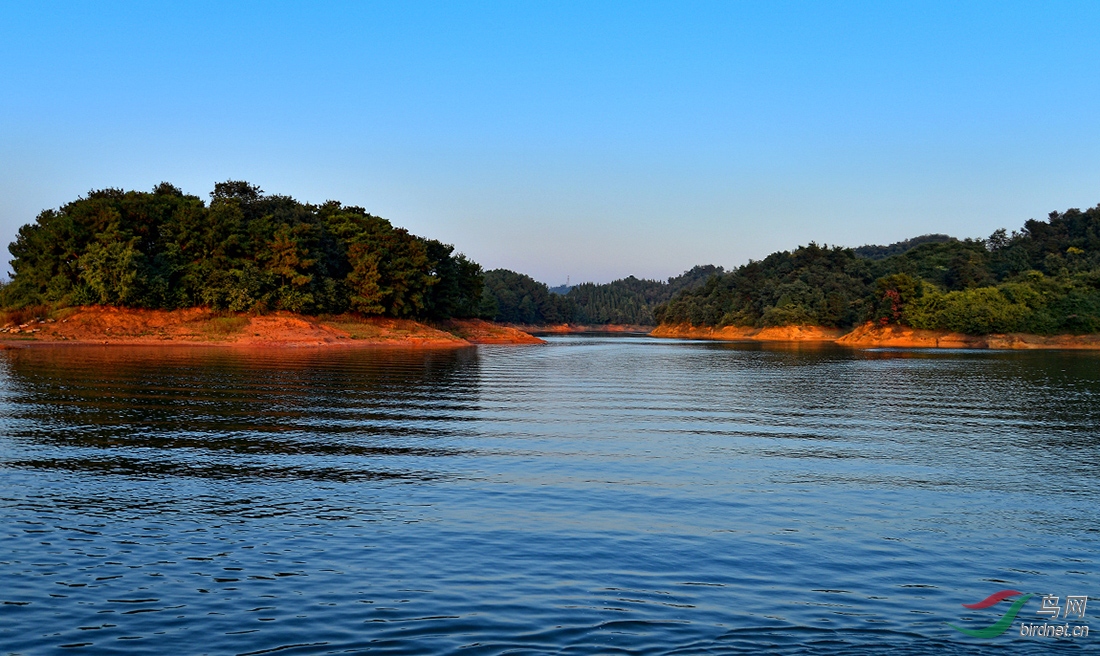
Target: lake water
x=589, y=496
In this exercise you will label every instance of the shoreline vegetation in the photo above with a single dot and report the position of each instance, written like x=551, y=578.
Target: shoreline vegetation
x=1036, y=288
x=249, y=268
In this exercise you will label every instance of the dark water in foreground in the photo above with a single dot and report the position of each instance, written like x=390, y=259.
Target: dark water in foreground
x=617, y=495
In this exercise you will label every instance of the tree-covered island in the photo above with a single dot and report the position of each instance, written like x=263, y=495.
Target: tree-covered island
x=244, y=251
x=247, y=269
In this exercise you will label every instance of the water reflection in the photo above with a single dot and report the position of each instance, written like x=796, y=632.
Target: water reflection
x=221, y=413
x=1035, y=413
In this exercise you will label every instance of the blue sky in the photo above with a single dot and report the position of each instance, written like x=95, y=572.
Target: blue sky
x=588, y=140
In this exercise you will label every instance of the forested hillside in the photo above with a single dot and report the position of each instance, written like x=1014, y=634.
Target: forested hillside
x=243, y=251
x=516, y=298
x=1043, y=279
x=630, y=300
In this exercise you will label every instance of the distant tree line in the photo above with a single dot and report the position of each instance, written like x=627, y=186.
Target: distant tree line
x=244, y=251
x=1042, y=279
x=517, y=298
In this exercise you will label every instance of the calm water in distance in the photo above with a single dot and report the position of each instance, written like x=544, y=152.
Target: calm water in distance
x=589, y=496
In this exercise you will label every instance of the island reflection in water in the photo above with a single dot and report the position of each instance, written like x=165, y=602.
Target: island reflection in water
x=593, y=495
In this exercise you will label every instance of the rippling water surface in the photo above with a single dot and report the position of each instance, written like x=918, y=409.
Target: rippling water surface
x=593, y=495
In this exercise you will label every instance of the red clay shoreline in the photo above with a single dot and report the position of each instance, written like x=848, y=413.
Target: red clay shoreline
x=872, y=335
x=98, y=325
x=572, y=328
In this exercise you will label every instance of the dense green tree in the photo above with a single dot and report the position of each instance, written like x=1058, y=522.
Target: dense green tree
x=810, y=285
x=518, y=298
x=894, y=294
x=457, y=292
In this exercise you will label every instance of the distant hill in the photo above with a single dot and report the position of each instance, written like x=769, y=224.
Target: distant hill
x=516, y=298
x=631, y=300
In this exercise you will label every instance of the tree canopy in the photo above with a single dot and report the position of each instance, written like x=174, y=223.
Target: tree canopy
x=245, y=250
x=1042, y=279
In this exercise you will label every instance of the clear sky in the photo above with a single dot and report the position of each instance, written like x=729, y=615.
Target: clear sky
x=582, y=139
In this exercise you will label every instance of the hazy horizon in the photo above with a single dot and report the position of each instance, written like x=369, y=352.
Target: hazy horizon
x=582, y=141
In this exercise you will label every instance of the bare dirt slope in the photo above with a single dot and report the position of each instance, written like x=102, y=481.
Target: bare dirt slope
x=772, y=334
x=477, y=331
x=575, y=328
x=107, y=325
x=871, y=335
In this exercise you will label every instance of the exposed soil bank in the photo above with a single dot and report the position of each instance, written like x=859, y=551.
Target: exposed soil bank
x=571, y=328
x=108, y=325
x=772, y=334
x=871, y=335
x=477, y=331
